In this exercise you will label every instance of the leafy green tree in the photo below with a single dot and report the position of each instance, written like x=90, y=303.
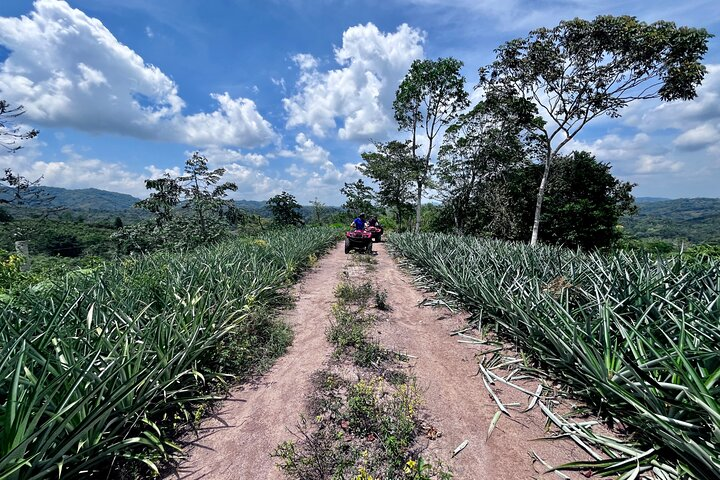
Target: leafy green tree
x=391, y=166
x=200, y=193
x=429, y=97
x=319, y=210
x=359, y=198
x=163, y=201
x=9, y=132
x=584, y=203
x=479, y=150
x=204, y=195
x=286, y=211
x=582, y=69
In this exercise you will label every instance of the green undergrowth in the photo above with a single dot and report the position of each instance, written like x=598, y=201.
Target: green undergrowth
x=360, y=425
x=100, y=373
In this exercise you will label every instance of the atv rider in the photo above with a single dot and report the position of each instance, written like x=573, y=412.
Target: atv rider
x=373, y=222
x=359, y=222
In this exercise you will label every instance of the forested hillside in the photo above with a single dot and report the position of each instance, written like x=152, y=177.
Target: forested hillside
x=696, y=220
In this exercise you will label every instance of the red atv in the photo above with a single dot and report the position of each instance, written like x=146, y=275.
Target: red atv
x=360, y=240
x=376, y=233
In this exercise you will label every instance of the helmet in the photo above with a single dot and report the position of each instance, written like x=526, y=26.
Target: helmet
x=361, y=215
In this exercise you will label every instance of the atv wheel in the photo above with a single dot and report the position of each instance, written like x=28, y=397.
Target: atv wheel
x=369, y=248
x=347, y=246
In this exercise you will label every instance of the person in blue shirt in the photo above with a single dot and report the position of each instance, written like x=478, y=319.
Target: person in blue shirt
x=359, y=222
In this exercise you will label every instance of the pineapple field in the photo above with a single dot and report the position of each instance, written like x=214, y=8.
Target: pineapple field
x=635, y=336
x=99, y=372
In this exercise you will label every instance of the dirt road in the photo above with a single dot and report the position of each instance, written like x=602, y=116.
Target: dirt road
x=237, y=442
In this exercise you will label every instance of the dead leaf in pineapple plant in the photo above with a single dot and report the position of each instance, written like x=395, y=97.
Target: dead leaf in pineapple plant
x=460, y=448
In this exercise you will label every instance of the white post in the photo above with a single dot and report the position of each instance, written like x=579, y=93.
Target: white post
x=22, y=249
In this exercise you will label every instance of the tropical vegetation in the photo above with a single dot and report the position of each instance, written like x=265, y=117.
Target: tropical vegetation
x=103, y=366
x=633, y=335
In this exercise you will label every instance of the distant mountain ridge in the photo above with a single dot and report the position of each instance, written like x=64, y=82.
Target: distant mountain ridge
x=90, y=199
x=95, y=200
x=651, y=199
x=696, y=220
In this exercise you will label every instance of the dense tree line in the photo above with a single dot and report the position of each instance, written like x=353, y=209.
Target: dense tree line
x=499, y=169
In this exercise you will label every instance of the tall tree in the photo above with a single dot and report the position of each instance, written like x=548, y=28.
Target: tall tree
x=479, y=149
x=429, y=97
x=203, y=193
x=10, y=133
x=582, y=69
x=359, y=198
x=285, y=210
x=392, y=167
x=198, y=191
x=17, y=189
x=319, y=210
x=163, y=201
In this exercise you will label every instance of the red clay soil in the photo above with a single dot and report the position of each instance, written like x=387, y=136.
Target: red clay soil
x=237, y=442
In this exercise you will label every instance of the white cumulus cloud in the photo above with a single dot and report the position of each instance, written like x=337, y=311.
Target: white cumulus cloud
x=69, y=70
x=648, y=164
x=72, y=169
x=697, y=120
x=237, y=122
x=356, y=99
x=702, y=136
x=307, y=150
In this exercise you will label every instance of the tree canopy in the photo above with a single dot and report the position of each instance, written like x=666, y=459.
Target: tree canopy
x=393, y=168
x=10, y=133
x=584, y=203
x=429, y=97
x=285, y=210
x=198, y=191
x=479, y=150
x=582, y=69
x=359, y=198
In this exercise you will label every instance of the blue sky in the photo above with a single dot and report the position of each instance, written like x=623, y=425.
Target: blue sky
x=286, y=94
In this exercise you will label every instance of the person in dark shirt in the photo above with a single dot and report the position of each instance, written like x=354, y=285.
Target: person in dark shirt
x=359, y=222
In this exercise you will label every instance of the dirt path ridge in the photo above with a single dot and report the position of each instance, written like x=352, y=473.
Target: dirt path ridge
x=456, y=402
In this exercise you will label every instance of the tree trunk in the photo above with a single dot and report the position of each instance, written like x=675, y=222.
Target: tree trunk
x=538, y=205
x=418, y=208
